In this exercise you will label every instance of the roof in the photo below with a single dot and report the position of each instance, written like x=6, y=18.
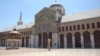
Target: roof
x=18, y=27
x=81, y=16
x=14, y=32
x=56, y=4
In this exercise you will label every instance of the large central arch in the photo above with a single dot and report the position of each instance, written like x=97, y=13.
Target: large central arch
x=97, y=38
x=87, y=41
x=69, y=40
x=40, y=39
x=77, y=40
x=50, y=36
x=45, y=39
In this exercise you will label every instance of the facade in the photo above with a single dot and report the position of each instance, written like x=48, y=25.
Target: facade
x=52, y=23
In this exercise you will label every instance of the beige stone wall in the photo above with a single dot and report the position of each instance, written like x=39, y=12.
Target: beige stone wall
x=80, y=22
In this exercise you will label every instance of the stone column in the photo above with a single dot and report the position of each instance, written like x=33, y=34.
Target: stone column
x=92, y=41
x=58, y=42
x=73, y=41
x=54, y=40
x=82, y=42
x=31, y=41
x=36, y=41
x=65, y=42
x=24, y=42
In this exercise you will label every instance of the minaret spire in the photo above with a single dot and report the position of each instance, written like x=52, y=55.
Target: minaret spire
x=21, y=16
x=20, y=19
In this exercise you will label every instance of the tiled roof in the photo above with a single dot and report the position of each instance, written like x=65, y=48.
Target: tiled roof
x=81, y=16
x=18, y=27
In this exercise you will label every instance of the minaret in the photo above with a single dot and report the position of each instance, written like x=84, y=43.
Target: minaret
x=20, y=19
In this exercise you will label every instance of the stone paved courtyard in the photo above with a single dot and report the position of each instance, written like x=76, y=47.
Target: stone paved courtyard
x=45, y=52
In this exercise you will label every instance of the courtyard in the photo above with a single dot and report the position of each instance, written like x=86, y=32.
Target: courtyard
x=52, y=52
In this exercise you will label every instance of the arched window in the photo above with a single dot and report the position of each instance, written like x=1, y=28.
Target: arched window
x=74, y=27
x=63, y=29
x=98, y=24
x=59, y=29
x=78, y=27
x=66, y=28
x=93, y=25
x=70, y=28
x=83, y=26
x=88, y=26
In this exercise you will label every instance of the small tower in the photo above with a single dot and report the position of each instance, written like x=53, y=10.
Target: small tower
x=20, y=19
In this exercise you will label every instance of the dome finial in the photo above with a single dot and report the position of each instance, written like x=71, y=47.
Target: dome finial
x=55, y=1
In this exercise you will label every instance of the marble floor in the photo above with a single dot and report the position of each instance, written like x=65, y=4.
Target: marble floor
x=52, y=52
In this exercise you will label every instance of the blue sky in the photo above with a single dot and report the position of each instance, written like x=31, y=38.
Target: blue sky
x=10, y=9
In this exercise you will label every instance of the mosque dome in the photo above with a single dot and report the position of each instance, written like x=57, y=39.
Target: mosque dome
x=60, y=11
x=58, y=7
x=14, y=31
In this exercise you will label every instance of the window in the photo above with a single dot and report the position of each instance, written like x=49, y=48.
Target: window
x=66, y=28
x=59, y=29
x=93, y=25
x=78, y=27
x=74, y=27
x=83, y=27
x=98, y=24
x=88, y=26
x=70, y=28
x=62, y=28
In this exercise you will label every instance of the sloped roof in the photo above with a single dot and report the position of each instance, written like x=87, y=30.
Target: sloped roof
x=18, y=27
x=81, y=16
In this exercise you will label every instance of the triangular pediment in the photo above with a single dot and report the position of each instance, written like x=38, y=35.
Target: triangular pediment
x=44, y=10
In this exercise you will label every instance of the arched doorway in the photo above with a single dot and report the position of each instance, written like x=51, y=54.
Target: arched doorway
x=69, y=40
x=97, y=38
x=22, y=41
x=77, y=40
x=39, y=40
x=61, y=41
x=27, y=41
x=87, y=41
x=45, y=39
x=50, y=36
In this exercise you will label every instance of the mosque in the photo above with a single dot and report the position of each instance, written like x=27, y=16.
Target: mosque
x=52, y=22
